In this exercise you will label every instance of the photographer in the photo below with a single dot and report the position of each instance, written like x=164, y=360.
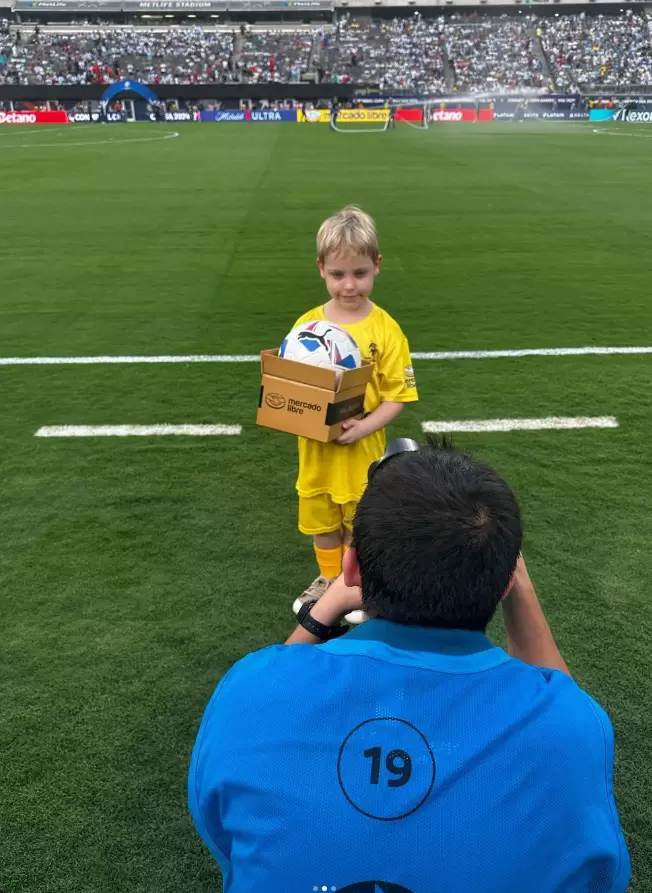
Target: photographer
x=411, y=755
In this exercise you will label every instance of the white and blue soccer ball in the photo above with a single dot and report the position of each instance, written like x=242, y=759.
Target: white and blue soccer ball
x=322, y=343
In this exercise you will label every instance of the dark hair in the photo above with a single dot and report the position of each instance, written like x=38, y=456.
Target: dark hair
x=437, y=536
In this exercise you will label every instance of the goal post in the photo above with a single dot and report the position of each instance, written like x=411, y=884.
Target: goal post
x=415, y=115
x=381, y=119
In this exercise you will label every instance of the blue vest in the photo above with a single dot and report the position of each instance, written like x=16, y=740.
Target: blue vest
x=406, y=760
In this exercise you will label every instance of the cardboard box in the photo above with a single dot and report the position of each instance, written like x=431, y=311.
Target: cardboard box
x=307, y=400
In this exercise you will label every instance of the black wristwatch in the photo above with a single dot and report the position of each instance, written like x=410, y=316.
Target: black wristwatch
x=314, y=627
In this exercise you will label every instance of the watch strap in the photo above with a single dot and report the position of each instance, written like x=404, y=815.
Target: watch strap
x=315, y=627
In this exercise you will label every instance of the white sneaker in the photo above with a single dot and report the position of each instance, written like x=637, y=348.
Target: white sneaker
x=313, y=593
x=356, y=617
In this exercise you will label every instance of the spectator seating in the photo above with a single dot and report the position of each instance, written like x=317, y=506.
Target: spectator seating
x=467, y=53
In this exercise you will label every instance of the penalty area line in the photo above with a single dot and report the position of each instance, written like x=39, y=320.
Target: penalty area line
x=562, y=423
x=137, y=430
x=255, y=358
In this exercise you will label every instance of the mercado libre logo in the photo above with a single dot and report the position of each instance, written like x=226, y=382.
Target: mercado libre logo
x=275, y=401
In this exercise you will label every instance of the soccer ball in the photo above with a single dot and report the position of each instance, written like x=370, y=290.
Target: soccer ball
x=321, y=344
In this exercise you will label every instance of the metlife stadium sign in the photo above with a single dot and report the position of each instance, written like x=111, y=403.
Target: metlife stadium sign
x=143, y=6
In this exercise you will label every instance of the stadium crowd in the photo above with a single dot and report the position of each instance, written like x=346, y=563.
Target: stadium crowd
x=467, y=53
x=494, y=54
x=599, y=50
x=172, y=56
x=405, y=54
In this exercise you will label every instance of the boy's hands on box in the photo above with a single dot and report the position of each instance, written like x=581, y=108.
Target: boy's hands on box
x=354, y=430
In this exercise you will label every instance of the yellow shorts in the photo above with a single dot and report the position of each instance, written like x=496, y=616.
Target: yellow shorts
x=319, y=514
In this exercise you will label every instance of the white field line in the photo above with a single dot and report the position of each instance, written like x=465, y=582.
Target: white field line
x=113, y=142
x=37, y=130
x=644, y=136
x=136, y=430
x=255, y=358
x=126, y=360
x=546, y=424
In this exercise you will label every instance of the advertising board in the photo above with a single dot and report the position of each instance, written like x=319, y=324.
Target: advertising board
x=33, y=117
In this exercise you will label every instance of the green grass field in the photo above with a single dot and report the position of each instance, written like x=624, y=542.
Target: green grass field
x=135, y=571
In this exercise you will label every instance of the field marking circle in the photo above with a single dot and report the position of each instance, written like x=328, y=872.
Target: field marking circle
x=112, y=142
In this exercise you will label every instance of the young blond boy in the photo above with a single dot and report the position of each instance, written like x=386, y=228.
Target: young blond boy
x=332, y=476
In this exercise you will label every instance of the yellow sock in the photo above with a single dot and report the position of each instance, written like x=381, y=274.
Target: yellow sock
x=329, y=561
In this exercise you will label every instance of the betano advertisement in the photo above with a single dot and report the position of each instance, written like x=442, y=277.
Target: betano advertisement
x=30, y=117
x=461, y=115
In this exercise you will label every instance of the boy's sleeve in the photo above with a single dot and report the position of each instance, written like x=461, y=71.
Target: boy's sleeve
x=395, y=372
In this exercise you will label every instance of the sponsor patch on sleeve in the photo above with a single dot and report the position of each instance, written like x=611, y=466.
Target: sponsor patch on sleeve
x=410, y=380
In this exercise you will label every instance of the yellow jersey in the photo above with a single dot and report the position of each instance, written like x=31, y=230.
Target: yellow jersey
x=341, y=471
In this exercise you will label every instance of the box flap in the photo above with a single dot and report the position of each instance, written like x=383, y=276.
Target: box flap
x=290, y=370
x=354, y=377
x=316, y=376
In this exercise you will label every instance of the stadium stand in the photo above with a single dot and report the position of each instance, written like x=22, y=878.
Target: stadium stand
x=494, y=54
x=171, y=56
x=405, y=54
x=278, y=56
x=467, y=54
x=599, y=51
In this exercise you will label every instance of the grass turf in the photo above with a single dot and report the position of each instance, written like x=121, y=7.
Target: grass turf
x=134, y=572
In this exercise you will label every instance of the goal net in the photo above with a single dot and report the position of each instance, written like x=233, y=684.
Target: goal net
x=417, y=115
x=377, y=119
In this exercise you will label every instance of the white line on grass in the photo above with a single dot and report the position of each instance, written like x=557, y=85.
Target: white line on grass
x=643, y=136
x=38, y=131
x=529, y=352
x=124, y=360
x=136, y=430
x=255, y=358
x=113, y=142
x=546, y=424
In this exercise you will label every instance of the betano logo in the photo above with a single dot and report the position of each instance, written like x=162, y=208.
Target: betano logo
x=448, y=115
x=17, y=118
